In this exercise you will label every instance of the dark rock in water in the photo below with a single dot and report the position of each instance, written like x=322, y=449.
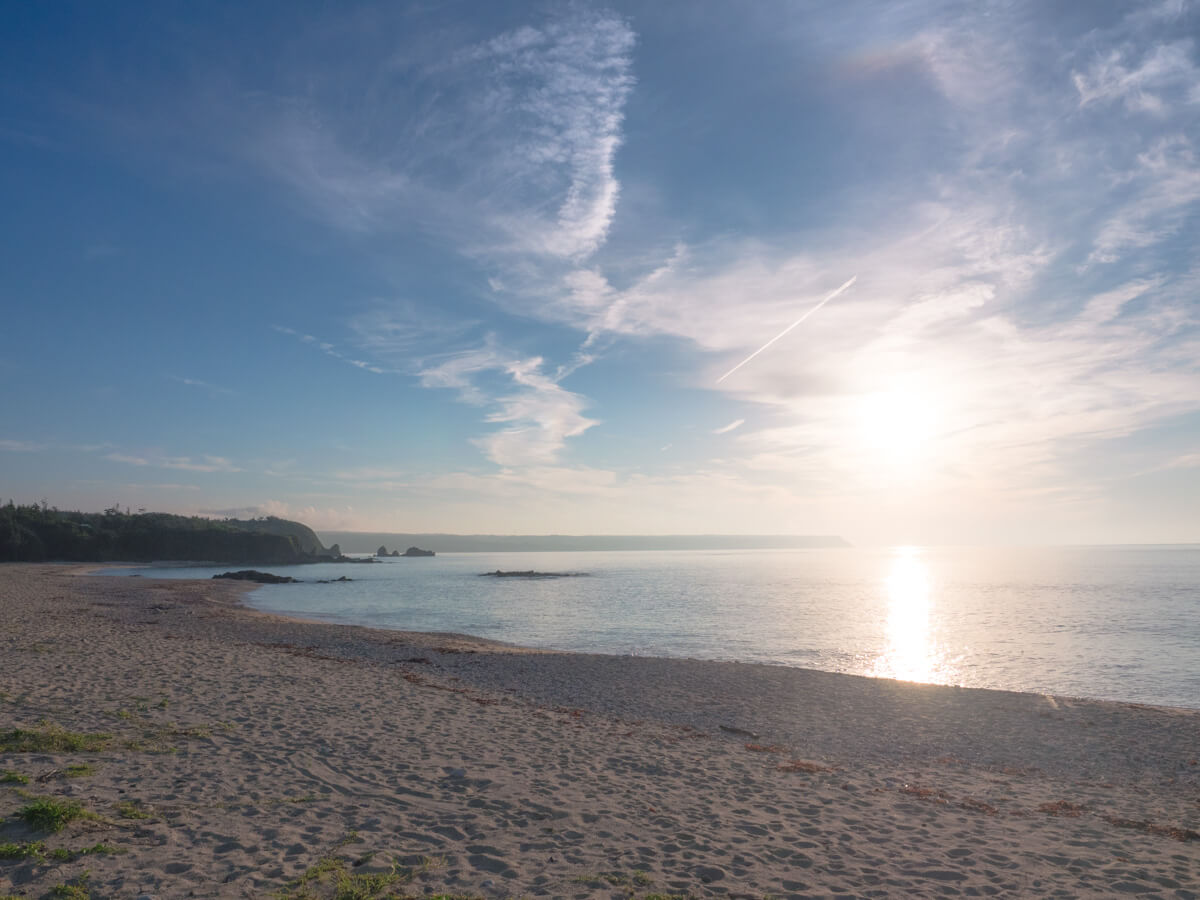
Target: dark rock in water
x=395, y=553
x=260, y=577
x=530, y=573
x=382, y=551
x=334, y=580
x=417, y=551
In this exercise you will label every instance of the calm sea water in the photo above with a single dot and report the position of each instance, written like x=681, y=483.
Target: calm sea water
x=1118, y=623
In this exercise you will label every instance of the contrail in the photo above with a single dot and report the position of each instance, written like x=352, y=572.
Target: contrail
x=844, y=287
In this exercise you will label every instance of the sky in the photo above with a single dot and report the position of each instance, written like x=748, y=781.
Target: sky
x=492, y=268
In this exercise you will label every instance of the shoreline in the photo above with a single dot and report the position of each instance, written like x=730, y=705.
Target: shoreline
x=1038, y=654
x=547, y=773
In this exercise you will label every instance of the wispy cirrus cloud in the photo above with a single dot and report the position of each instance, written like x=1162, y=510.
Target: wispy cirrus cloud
x=539, y=414
x=1028, y=307
x=330, y=349
x=1160, y=74
x=11, y=446
x=184, y=463
x=503, y=146
x=213, y=389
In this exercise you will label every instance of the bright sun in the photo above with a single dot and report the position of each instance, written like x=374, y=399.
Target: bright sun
x=896, y=425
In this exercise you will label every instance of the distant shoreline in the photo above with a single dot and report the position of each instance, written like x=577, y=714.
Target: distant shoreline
x=366, y=542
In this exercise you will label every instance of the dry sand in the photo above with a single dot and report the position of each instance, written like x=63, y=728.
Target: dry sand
x=273, y=757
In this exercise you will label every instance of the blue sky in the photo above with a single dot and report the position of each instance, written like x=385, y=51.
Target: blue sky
x=480, y=267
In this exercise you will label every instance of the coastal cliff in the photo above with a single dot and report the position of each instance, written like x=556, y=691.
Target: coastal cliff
x=34, y=533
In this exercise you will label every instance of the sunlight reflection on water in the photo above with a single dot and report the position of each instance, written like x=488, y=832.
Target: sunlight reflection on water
x=912, y=652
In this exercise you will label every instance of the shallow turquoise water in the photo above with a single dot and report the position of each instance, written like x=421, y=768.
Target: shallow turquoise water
x=1113, y=622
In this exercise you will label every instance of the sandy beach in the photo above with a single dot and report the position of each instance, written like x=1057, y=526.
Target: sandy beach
x=247, y=755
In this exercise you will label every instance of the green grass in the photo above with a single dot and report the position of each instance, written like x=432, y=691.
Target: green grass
x=53, y=814
x=51, y=739
x=10, y=777
x=36, y=850
x=330, y=872
x=101, y=849
x=73, y=890
x=28, y=850
x=330, y=877
x=129, y=810
x=81, y=770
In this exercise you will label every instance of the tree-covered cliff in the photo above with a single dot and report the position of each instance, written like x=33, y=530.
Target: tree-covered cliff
x=39, y=532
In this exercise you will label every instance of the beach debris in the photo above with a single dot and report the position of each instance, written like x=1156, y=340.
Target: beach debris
x=259, y=577
x=1063, y=808
x=1179, y=834
x=729, y=729
x=530, y=573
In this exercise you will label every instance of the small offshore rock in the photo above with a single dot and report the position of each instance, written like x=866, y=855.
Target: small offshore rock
x=259, y=577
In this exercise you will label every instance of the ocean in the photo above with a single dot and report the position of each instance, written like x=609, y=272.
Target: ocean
x=1116, y=623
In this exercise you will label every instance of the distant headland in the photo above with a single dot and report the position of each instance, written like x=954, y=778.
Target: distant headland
x=367, y=542
x=34, y=533
x=38, y=532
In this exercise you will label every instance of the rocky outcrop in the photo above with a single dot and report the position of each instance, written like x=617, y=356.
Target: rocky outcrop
x=417, y=551
x=382, y=551
x=259, y=577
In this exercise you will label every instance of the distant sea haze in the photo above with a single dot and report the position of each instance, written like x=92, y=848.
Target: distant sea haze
x=1116, y=623
x=365, y=542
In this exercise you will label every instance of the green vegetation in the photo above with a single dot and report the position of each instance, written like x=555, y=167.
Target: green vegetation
x=331, y=877
x=81, y=770
x=38, y=532
x=28, y=850
x=51, y=739
x=330, y=874
x=8, y=776
x=73, y=890
x=52, y=813
x=130, y=810
x=65, y=854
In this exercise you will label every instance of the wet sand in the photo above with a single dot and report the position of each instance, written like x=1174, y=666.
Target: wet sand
x=256, y=756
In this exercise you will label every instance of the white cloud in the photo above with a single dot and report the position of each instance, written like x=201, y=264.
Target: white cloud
x=1187, y=461
x=1165, y=186
x=213, y=389
x=11, y=446
x=1140, y=87
x=329, y=349
x=725, y=429
x=506, y=146
x=539, y=412
x=185, y=463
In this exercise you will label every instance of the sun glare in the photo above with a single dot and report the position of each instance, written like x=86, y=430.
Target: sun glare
x=911, y=654
x=896, y=425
